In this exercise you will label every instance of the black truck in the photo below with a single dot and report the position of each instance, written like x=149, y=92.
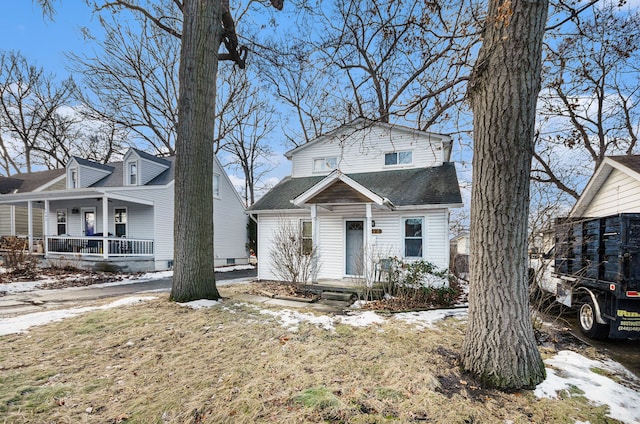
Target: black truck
x=596, y=269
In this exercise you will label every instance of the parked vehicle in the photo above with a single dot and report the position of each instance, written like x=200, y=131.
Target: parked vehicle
x=595, y=268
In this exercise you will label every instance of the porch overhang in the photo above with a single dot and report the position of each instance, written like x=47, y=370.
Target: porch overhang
x=363, y=194
x=18, y=198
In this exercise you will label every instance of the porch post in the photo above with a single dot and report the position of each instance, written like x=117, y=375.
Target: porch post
x=314, y=240
x=45, y=228
x=105, y=226
x=369, y=272
x=30, y=224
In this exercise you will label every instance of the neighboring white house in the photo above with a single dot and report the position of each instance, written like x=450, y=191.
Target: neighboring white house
x=614, y=188
x=363, y=192
x=121, y=213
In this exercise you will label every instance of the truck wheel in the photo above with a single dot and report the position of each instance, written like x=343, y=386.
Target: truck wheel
x=587, y=321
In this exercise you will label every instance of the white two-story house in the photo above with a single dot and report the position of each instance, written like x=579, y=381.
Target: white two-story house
x=360, y=193
x=119, y=215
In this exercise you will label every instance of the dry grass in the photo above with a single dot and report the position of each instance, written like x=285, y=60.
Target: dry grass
x=158, y=362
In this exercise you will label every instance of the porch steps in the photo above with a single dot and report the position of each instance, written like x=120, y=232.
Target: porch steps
x=343, y=296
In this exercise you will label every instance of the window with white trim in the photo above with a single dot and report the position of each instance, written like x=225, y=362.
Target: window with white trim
x=74, y=178
x=402, y=157
x=120, y=221
x=61, y=219
x=216, y=185
x=325, y=164
x=306, y=230
x=413, y=237
x=133, y=173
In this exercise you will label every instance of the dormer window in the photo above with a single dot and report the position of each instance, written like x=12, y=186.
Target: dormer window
x=74, y=178
x=325, y=164
x=133, y=173
x=404, y=157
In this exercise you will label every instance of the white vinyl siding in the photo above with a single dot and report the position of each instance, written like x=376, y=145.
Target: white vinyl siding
x=331, y=240
x=620, y=193
x=365, y=151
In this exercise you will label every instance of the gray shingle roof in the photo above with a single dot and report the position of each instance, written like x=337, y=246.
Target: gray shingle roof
x=92, y=164
x=631, y=162
x=28, y=181
x=405, y=187
x=149, y=156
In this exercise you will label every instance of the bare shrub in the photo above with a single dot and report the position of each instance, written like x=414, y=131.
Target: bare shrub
x=17, y=258
x=294, y=256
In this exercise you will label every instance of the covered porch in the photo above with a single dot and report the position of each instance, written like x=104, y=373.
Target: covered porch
x=91, y=224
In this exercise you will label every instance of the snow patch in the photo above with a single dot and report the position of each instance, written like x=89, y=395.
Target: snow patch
x=571, y=369
x=200, y=304
x=22, y=323
x=427, y=319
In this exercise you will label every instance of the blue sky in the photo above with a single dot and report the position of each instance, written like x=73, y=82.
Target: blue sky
x=41, y=41
x=44, y=43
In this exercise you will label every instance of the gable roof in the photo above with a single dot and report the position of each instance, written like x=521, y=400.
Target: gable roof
x=29, y=181
x=361, y=123
x=629, y=164
x=436, y=185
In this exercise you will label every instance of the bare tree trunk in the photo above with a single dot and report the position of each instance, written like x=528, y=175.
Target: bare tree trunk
x=500, y=347
x=193, y=276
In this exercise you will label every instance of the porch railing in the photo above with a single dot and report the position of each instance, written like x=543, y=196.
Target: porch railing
x=94, y=246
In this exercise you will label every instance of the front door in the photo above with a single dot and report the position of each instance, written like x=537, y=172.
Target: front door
x=354, y=231
x=88, y=222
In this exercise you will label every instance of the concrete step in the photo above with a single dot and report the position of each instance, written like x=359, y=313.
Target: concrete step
x=333, y=295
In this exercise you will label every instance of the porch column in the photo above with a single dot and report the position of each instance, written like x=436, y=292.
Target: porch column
x=369, y=270
x=314, y=239
x=30, y=223
x=105, y=226
x=45, y=227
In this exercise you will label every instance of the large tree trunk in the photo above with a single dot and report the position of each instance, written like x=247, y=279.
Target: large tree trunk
x=499, y=346
x=193, y=276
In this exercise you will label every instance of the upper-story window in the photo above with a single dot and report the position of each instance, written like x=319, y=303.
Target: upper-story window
x=325, y=164
x=216, y=185
x=74, y=178
x=403, y=157
x=133, y=173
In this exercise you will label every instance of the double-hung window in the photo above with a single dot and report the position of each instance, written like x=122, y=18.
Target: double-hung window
x=133, y=173
x=74, y=178
x=61, y=217
x=403, y=157
x=120, y=221
x=413, y=237
x=307, y=237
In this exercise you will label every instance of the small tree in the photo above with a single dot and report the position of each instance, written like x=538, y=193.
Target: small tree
x=294, y=255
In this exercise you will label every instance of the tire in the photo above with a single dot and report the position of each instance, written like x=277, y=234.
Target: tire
x=587, y=321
